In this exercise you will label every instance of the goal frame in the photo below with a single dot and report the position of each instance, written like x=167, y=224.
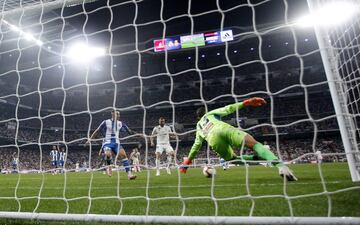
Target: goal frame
x=338, y=96
x=181, y=219
x=343, y=120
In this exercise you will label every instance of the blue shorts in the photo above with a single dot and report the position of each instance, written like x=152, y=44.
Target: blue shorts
x=54, y=163
x=113, y=146
x=61, y=162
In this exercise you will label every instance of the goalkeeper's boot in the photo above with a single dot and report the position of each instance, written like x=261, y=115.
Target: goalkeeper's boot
x=284, y=171
x=131, y=177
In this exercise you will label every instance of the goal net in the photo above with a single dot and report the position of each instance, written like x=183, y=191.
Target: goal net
x=66, y=65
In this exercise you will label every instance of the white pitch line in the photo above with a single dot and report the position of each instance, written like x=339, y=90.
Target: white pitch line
x=183, y=186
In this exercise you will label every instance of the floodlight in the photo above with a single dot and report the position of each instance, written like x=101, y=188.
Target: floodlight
x=29, y=36
x=332, y=14
x=38, y=42
x=81, y=52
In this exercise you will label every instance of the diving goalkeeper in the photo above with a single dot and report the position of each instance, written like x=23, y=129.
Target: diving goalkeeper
x=222, y=137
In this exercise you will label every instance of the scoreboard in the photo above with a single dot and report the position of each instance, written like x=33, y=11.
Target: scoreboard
x=192, y=41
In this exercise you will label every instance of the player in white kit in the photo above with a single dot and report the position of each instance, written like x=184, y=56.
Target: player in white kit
x=162, y=133
x=135, y=158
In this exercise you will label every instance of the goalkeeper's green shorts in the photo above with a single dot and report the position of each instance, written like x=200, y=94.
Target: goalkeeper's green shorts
x=223, y=140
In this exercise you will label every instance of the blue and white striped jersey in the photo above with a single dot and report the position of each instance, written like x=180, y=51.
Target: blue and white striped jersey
x=112, y=130
x=54, y=154
x=62, y=156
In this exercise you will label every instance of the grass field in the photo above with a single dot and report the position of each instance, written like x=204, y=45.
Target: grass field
x=229, y=195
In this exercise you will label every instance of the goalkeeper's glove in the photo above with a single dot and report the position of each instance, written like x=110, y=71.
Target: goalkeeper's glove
x=184, y=166
x=256, y=101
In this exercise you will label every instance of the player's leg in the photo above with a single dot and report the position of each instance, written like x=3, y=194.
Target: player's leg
x=138, y=165
x=61, y=166
x=170, y=155
x=53, y=164
x=158, y=152
x=135, y=165
x=262, y=152
x=108, y=159
x=125, y=163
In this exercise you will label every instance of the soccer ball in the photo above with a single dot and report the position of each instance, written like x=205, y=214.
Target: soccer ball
x=208, y=171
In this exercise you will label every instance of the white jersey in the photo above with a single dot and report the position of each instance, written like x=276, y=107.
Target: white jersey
x=54, y=155
x=135, y=156
x=62, y=156
x=162, y=134
x=112, y=130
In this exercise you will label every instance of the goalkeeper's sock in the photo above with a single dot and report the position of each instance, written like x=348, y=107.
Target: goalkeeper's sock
x=125, y=163
x=264, y=153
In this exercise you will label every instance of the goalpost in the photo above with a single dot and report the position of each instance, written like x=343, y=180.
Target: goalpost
x=340, y=51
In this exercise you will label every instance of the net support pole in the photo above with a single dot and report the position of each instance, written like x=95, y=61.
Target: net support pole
x=181, y=219
x=344, y=118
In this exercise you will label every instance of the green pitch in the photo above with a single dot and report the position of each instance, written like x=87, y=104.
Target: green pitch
x=230, y=196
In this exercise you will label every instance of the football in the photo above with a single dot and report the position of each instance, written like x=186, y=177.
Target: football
x=208, y=171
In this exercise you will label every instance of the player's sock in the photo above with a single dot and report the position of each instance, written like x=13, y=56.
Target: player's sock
x=157, y=162
x=264, y=153
x=169, y=159
x=125, y=163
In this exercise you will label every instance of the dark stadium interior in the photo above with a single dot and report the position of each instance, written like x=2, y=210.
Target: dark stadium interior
x=48, y=99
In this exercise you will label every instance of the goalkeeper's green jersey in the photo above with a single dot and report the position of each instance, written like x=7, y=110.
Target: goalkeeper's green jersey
x=210, y=128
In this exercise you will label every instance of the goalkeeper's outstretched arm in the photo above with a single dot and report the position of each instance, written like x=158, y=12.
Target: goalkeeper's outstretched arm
x=229, y=109
x=193, y=152
x=195, y=147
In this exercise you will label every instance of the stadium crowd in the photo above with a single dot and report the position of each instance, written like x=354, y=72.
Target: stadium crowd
x=299, y=150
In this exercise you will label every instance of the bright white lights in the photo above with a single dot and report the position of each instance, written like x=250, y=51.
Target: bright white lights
x=38, y=42
x=332, y=14
x=28, y=36
x=82, y=53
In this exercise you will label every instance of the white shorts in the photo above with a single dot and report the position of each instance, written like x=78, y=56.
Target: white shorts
x=135, y=162
x=164, y=147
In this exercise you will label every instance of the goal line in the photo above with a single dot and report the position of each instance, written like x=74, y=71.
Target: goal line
x=181, y=219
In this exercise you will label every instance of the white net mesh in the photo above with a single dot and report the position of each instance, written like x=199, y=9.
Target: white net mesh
x=53, y=95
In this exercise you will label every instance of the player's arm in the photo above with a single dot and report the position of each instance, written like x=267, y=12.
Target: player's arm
x=172, y=134
x=126, y=129
x=153, y=134
x=100, y=151
x=93, y=135
x=229, y=109
x=193, y=152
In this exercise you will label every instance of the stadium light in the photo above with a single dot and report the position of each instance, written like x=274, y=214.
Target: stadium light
x=81, y=52
x=28, y=36
x=332, y=14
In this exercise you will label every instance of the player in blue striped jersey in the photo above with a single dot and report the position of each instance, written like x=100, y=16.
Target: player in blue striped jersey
x=111, y=142
x=62, y=157
x=15, y=163
x=54, y=155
